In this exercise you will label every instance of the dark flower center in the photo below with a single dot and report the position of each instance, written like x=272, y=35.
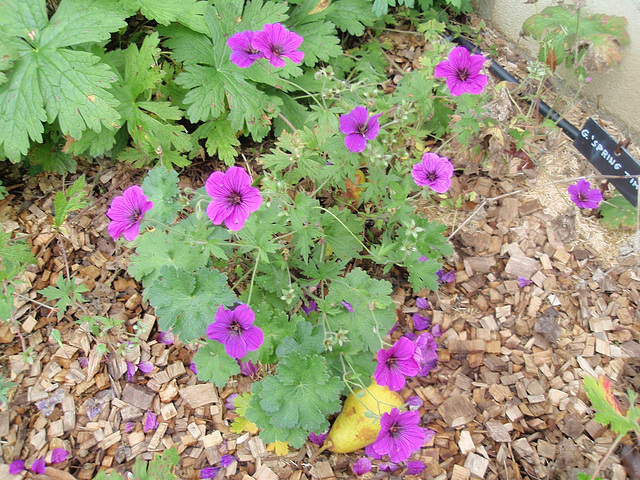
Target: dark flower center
x=251, y=51
x=135, y=215
x=462, y=74
x=277, y=50
x=582, y=197
x=391, y=361
x=236, y=328
x=432, y=176
x=362, y=129
x=235, y=198
x=395, y=430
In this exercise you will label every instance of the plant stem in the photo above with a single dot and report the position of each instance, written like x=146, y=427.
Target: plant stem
x=606, y=457
x=253, y=276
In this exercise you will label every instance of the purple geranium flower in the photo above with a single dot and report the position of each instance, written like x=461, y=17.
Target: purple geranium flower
x=400, y=435
x=462, y=72
x=434, y=172
x=233, y=198
x=415, y=467
x=318, y=439
x=243, y=53
x=229, y=402
x=359, y=128
x=236, y=331
x=420, y=322
x=38, y=466
x=276, y=42
x=361, y=466
x=59, y=455
x=16, y=467
x=523, y=282
x=209, y=472
x=126, y=213
x=396, y=362
x=427, y=346
x=583, y=195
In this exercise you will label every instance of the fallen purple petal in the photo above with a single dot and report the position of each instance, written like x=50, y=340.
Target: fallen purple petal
x=38, y=466
x=420, y=322
x=166, y=338
x=523, y=282
x=414, y=402
x=47, y=405
x=249, y=369
x=361, y=466
x=227, y=460
x=129, y=426
x=131, y=371
x=348, y=306
x=422, y=303
x=59, y=455
x=387, y=466
x=151, y=423
x=209, y=472
x=145, y=367
x=318, y=439
x=229, y=402
x=16, y=467
x=415, y=467
x=193, y=368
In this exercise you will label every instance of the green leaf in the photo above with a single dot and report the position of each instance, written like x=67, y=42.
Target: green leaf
x=601, y=397
x=320, y=42
x=161, y=467
x=50, y=81
x=186, y=12
x=341, y=228
x=71, y=201
x=221, y=139
x=66, y=294
x=306, y=338
x=618, y=211
x=374, y=310
x=48, y=157
x=8, y=54
x=14, y=256
x=187, y=302
x=214, y=365
x=303, y=378
x=351, y=15
x=161, y=186
x=275, y=325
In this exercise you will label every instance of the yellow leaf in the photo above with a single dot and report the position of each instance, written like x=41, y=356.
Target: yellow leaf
x=241, y=424
x=322, y=4
x=281, y=448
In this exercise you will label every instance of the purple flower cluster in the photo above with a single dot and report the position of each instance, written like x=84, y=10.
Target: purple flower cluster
x=583, y=195
x=236, y=331
x=434, y=172
x=359, y=128
x=273, y=42
x=462, y=72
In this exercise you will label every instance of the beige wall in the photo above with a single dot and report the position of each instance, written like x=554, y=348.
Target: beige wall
x=619, y=88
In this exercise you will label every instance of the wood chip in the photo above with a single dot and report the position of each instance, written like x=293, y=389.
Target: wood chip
x=457, y=410
x=199, y=395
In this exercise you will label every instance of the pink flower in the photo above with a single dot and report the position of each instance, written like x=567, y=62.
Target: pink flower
x=583, y=195
x=59, y=455
x=276, y=42
x=233, y=198
x=361, y=466
x=400, y=435
x=396, y=362
x=243, y=54
x=126, y=212
x=359, y=128
x=462, y=72
x=236, y=331
x=434, y=172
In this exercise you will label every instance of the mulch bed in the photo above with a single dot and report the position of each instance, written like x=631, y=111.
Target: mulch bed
x=505, y=400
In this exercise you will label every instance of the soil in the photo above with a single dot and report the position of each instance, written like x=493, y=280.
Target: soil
x=506, y=399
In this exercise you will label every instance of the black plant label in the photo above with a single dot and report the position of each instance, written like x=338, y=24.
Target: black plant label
x=609, y=158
